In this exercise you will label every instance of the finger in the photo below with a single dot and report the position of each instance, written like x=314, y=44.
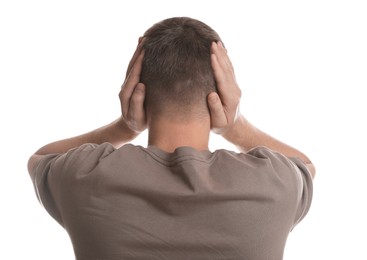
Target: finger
x=223, y=58
x=219, y=74
x=135, y=55
x=220, y=44
x=136, y=114
x=217, y=114
x=131, y=81
x=223, y=72
x=223, y=79
x=136, y=68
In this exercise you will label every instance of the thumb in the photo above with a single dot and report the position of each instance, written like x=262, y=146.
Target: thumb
x=136, y=114
x=217, y=116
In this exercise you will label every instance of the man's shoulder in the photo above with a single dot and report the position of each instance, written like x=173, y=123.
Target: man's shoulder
x=258, y=154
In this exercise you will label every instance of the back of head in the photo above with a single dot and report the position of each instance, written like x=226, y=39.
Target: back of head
x=176, y=69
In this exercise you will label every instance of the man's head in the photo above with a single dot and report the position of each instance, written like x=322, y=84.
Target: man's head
x=177, y=69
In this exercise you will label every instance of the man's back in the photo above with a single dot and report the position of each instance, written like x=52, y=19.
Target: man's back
x=144, y=203
x=171, y=201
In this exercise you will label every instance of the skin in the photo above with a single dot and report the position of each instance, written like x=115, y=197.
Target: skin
x=224, y=118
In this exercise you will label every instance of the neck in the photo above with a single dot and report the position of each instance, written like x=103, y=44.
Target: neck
x=169, y=135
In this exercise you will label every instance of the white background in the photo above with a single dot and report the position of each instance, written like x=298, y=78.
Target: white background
x=302, y=67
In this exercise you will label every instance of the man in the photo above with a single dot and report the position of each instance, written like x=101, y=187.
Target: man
x=175, y=199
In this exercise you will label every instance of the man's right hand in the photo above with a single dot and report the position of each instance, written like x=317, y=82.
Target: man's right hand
x=224, y=105
x=132, y=94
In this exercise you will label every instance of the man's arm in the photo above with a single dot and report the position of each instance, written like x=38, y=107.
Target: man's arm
x=226, y=119
x=246, y=136
x=116, y=133
x=124, y=129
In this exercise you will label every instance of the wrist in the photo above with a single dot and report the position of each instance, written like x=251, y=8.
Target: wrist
x=117, y=133
x=126, y=132
x=235, y=133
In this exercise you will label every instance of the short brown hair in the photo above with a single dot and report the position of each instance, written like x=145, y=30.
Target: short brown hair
x=176, y=69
